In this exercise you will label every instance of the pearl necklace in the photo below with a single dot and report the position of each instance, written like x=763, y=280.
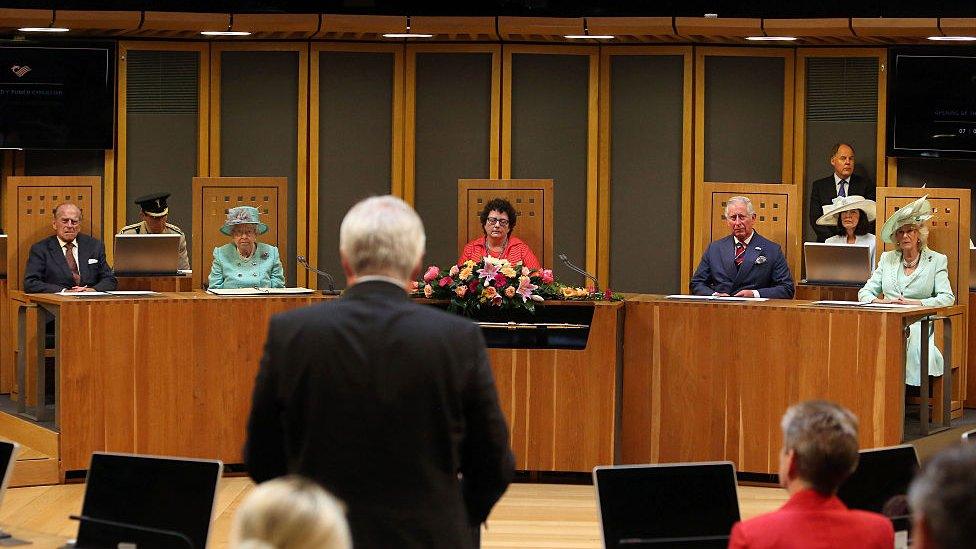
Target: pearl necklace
x=911, y=264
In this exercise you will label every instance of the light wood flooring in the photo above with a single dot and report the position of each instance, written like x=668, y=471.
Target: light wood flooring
x=528, y=516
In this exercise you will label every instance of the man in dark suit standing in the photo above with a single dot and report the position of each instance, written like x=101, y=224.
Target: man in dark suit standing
x=69, y=260
x=743, y=264
x=389, y=404
x=843, y=182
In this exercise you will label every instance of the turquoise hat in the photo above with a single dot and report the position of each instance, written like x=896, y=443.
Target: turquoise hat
x=243, y=215
x=916, y=213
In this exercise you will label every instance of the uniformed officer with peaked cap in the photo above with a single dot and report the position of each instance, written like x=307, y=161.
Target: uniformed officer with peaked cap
x=155, y=212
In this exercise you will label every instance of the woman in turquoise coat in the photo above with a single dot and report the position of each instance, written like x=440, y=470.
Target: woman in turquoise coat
x=245, y=262
x=911, y=274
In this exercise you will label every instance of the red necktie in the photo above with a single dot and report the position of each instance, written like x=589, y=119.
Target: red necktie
x=740, y=253
x=72, y=264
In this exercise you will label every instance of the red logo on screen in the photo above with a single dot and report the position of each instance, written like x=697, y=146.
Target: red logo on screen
x=20, y=70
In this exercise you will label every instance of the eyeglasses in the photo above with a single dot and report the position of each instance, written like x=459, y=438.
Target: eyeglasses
x=496, y=221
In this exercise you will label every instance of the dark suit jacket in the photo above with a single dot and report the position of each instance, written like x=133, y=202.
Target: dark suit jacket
x=824, y=191
x=717, y=271
x=810, y=521
x=47, y=270
x=384, y=402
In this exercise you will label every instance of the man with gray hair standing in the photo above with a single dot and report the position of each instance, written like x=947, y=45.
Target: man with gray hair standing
x=743, y=264
x=943, y=500
x=819, y=453
x=390, y=405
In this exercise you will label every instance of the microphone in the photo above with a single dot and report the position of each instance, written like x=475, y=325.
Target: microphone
x=328, y=278
x=579, y=271
x=184, y=539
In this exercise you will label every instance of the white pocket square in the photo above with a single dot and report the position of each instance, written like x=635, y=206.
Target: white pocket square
x=92, y=261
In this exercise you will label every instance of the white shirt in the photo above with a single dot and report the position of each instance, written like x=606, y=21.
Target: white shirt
x=868, y=240
x=74, y=251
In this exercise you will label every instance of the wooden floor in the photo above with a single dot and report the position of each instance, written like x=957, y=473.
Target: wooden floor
x=528, y=516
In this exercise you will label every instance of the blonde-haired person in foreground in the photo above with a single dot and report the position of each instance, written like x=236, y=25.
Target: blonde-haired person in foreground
x=290, y=513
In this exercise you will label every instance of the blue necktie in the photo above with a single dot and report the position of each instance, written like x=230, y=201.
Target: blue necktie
x=842, y=191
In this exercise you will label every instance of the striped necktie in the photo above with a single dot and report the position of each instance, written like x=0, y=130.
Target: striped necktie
x=740, y=253
x=842, y=188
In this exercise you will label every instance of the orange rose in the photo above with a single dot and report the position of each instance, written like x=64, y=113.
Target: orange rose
x=510, y=292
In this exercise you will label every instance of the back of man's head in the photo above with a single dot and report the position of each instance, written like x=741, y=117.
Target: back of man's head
x=382, y=235
x=823, y=438
x=943, y=499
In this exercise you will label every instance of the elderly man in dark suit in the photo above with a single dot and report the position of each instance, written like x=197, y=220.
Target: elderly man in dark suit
x=843, y=182
x=743, y=264
x=69, y=260
x=389, y=404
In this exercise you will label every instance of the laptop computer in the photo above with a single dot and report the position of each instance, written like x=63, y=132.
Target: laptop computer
x=882, y=475
x=149, y=501
x=3, y=256
x=147, y=254
x=837, y=263
x=8, y=454
x=667, y=505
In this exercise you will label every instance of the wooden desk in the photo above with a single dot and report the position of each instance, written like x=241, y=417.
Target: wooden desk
x=710, y=381
x=563, y=406
x=818, y=292
x=168, y=375
x=156, y=283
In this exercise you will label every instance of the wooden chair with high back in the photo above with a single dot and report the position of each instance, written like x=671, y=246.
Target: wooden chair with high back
x=777, y=216
x=949, y=235
x=532, y=200
x=213, y=196
x=29, y=212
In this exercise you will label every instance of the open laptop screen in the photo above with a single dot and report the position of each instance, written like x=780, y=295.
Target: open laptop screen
x=677, y=505
x=8, y=451
x=148, y=492
x=881, y=475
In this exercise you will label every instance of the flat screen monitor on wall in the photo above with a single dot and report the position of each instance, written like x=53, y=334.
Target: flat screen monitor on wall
x=54, y=97
x=932, y=102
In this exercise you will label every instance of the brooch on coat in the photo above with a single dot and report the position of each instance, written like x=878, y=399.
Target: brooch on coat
x=264, y=255
x=760, y=260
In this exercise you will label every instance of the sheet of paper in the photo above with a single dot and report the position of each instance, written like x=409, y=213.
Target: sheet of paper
x=836, y=303
x=735, y=298
x=132, y=292
x=691, y=297
x=82, y=294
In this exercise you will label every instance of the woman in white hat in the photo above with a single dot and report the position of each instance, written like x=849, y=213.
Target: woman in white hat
x=851, y=215
x=245, y=262
x=911, y=274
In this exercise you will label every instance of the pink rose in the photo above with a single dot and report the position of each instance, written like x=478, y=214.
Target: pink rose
x=525, y=271
x=461, y=291
x=446, y=281
x=454, y=270
x=428, y=291
x=608, y=294
x=473, y=285
x=432, y=273
x=547, y=276
x=510, y=292
x=500, y=280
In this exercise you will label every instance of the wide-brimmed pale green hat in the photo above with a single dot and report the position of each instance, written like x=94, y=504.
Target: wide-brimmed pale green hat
x=243, y=215
x=846, y=203
x=915, y=213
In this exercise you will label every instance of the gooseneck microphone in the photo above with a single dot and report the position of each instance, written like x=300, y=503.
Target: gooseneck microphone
x=158, y=532
x=579, y=271
x=328, y=278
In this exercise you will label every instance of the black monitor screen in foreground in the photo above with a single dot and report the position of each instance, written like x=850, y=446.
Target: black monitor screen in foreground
x=673, y=505
x=882, y=475
x=969, y=436
x=57, y=97
x=146, y=493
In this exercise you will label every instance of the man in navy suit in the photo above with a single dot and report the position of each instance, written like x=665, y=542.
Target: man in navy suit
x=50, y=269
x=743, y=264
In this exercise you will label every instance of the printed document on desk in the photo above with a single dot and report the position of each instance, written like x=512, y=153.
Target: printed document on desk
x=259, y=291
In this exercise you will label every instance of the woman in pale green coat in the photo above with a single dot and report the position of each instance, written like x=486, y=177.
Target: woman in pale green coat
x=912, y=274
x=245, y=262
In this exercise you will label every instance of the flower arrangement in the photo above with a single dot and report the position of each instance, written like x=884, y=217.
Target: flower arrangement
x=497, y=283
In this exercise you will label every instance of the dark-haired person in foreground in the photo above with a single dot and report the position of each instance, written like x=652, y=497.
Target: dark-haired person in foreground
x=943, y=500
x=819, y=453
x=385, y=402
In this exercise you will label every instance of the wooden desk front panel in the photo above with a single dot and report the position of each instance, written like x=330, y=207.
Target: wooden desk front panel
x=561, y=404
x=711, y=381
x=156, y=283
x=816, y=292
x=168, y=376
